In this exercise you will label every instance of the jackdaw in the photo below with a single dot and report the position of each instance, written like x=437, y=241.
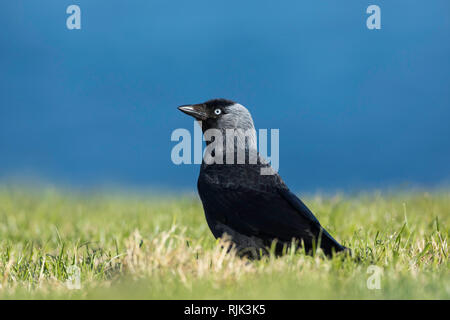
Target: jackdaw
x=248, y=200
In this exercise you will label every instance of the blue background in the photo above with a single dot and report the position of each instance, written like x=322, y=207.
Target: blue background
x=356, y=108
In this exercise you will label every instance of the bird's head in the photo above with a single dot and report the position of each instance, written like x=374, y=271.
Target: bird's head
x=220, y=114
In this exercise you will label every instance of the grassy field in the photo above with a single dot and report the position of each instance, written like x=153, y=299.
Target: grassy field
x=132, y=246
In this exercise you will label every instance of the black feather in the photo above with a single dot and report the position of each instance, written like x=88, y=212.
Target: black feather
x=258, y=206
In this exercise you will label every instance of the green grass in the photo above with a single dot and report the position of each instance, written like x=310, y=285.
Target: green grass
x=144, y=246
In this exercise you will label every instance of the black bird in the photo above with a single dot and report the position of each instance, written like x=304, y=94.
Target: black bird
x=256, y=210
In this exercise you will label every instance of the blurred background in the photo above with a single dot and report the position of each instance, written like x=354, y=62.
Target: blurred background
x=356, y=108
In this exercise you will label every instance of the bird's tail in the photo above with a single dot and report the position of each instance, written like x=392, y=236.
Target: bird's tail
x=328, y=244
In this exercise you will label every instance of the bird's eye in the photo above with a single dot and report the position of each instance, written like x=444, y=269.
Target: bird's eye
x=217, y=111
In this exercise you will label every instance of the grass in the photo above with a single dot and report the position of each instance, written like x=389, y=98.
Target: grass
x=153, y=247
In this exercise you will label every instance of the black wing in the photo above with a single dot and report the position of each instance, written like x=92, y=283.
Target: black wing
x=265, y=209
x=327, y=241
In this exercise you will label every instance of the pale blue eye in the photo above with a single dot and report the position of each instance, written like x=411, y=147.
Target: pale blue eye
x=217, y=111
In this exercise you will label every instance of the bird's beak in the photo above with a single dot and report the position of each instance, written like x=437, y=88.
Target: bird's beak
x=198, y=111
